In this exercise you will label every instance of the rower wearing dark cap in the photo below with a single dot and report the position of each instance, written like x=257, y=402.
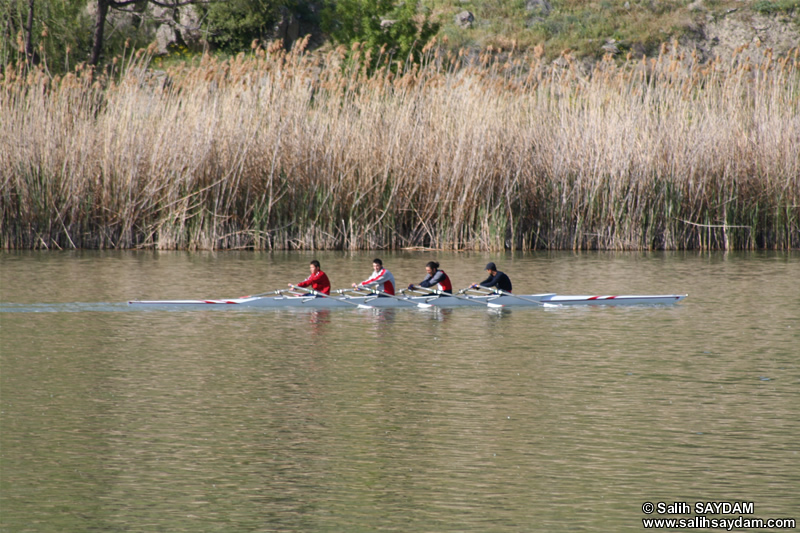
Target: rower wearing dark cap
x=495, y=279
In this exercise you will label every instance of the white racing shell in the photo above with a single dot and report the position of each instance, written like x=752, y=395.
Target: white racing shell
x=436, y=300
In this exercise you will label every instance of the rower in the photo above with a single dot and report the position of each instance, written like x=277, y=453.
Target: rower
x=318, y=280
x=435, y=277
x=381, y=279
x=495, y=279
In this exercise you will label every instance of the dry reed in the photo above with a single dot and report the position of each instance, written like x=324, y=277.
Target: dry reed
x=292, y=150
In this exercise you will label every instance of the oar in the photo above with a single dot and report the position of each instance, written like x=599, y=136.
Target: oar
x=343, y=300
x=261, y=294
x=457, y=297
x=505, y=293
x=405, y=300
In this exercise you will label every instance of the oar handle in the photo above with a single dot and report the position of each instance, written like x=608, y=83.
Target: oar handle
x=404, y=299
x=343, y=300
x=465, y=298
x=426, y=289
x=506, y=293
x=311, y=291
x=479, y=289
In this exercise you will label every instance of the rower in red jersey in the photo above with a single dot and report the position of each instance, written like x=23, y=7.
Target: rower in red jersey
x=318, y=280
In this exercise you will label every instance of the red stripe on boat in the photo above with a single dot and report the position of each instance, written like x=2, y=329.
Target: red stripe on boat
x=594, y=298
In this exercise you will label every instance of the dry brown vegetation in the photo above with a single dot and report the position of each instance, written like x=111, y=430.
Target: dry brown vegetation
x=277, y=150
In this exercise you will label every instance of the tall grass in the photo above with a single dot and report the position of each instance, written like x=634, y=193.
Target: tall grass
x=291, y=150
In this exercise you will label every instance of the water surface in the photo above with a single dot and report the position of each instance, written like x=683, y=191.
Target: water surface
x=524, y=419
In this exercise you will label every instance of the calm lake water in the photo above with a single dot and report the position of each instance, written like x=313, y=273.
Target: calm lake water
x=557, y=419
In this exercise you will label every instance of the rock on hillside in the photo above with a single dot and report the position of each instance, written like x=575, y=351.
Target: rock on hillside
x=719, y=36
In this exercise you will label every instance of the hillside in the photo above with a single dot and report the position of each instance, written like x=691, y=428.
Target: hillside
x=586, y=30
x=62, y=32
x=590, y=30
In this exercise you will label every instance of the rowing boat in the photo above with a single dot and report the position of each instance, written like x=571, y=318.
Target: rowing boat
x=438, y=300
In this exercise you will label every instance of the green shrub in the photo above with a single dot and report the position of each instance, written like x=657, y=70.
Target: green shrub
x=768, y=7
x=235, y=24
x=379, y=25
x=61, y=33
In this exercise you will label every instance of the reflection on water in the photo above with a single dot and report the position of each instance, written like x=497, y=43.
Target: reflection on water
x=396, y=419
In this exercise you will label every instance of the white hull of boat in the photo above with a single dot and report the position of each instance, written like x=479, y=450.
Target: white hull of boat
x=524, y=300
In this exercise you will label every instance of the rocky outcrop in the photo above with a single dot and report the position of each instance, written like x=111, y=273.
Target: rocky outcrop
x=541, y=7
x=465, y=19
x=170, y=27
x=176, y=27
x=166, y=27
x=720, y=36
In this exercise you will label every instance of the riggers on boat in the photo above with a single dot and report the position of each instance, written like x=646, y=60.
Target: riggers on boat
x=375, y=299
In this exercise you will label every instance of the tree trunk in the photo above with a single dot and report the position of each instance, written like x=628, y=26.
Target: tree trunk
x=99, y=27
x=29, y=34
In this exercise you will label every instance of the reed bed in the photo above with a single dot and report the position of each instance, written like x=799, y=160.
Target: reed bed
x=280, y=150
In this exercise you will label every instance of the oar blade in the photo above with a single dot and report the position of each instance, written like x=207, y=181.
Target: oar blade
x=495, y=306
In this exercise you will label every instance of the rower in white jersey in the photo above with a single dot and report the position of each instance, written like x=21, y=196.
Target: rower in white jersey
x=381, y=279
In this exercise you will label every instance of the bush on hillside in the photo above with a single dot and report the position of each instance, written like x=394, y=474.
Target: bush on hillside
x=391, y=31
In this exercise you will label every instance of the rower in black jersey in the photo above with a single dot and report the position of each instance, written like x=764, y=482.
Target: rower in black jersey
x=496, y=279
x=435, y=278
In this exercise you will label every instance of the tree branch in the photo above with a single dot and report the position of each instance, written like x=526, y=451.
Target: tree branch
x=116, y=4
x=179, y=3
